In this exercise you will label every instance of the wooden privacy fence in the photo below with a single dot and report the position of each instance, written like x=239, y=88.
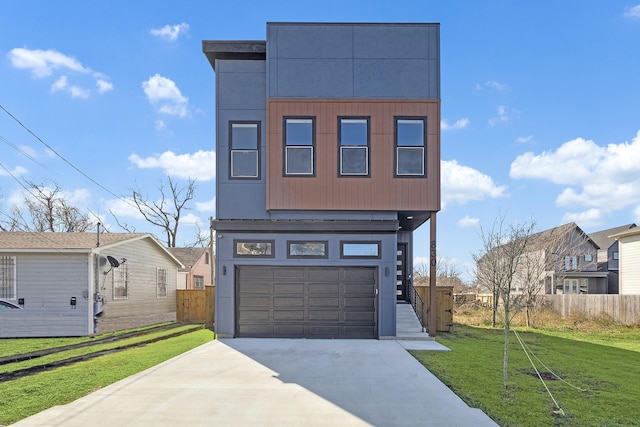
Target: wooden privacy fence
x=196, y=305
x=444, y=302
x=622, y=308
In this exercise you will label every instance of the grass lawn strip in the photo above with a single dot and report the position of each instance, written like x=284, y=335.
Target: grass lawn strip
x=473, y=370
x=29, y=395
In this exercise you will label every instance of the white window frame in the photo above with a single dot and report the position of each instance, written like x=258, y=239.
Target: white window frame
x=418, y=150
x=8, y=283
x=162, y=282
x=291, y=147
x=198, y=282
x=244, y=151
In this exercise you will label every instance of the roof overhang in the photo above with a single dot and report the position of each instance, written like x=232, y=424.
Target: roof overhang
x=247, y=50
x=306, y=226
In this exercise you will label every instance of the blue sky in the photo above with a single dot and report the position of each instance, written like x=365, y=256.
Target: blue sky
x=540, y=105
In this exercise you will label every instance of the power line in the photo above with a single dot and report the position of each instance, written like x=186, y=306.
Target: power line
x=62, y=157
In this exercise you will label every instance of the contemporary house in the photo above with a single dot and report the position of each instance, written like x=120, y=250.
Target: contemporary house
x=629, y=260
x=197, y=263
x=78, y=284
x=609, y=254
x=328, y=159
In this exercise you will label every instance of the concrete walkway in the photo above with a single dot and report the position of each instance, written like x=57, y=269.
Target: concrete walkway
x=277, y=382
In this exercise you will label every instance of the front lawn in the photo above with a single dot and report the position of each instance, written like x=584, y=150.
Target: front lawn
x=473, y=370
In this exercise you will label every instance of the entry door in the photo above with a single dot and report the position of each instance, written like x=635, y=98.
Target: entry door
x=401, y=273
x=571, y=286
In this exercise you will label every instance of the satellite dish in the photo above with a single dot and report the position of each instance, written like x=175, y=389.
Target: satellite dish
x=114, y=262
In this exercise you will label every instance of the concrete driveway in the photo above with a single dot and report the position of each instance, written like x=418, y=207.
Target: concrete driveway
x=276, y=382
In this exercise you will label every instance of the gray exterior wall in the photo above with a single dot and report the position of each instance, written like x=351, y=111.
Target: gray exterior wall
x=240, y=95
x=47, y=282
x=225, y=291
x=142, y=307
x=344, y=61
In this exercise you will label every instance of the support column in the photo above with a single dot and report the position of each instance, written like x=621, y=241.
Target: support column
x=433, y=298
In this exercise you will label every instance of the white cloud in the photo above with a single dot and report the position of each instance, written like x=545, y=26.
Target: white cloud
x=123, y=207
x=459, y=124
x=461, y=184
x=601, y=177
x=589, y=218
x=104, y=86
x=502, y=116
x=62, y=84
x=200, y=165
x=636, y=214
x=468, y=221
x=524, y=139
x=208, y=206
x=160, y=125
x=170, y=32
x=44, y=63
x=633, y=12
x=500, y=87
x=165, y=96
x=17, y=171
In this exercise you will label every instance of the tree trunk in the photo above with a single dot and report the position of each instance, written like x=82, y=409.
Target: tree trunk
x=505, y=362
x=494, y=309
x=527, y=315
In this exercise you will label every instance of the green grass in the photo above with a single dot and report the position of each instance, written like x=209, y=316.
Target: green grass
x=473, y=370
x=29, y=395
x=13, y=346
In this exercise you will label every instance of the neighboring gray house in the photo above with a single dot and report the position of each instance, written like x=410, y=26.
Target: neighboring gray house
x=77, y=284
x=608, y=254
x=328, y=160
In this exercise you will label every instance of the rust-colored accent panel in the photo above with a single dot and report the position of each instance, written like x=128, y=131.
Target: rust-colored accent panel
x=328, y=191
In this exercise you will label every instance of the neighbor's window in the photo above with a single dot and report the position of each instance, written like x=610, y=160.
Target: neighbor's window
x=616, y=255
x=254, y=248
x=121, y=282
x=198, y=282
x=588, y=258
x=353, y=137
x=307, y=249
x=161, y=282
x=245, y=150
x=570, y=262
x=360, y=249
x=410, y=146
x=299, y=146
x=7, y=277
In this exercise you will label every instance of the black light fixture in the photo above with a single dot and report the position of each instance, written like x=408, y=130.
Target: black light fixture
x=73, y=302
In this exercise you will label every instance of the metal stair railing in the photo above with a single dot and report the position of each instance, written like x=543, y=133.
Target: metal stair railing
x=417, y=303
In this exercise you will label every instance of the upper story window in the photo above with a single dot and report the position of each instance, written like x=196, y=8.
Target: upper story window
x=299, y=146
x=570, y=262
x=245, y=150
x=353, y=137
x=616, y=255
x=410, y=146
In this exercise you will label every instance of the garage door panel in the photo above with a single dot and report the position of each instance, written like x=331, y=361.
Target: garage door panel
x=296, y=315
x=288, y=302
x=261, y=273
x=324, y=315
x=288, y=288
x=324, y=288
x=324, y=302
x=314, y=302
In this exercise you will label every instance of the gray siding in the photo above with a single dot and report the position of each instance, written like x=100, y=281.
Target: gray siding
x=47, y=282
x=240, y=91
x=345, y=61
x=142, y=307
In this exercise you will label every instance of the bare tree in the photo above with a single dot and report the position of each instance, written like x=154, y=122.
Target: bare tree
x=504, y=248
x=46, y=210
x=166, y=212
x=447, y=274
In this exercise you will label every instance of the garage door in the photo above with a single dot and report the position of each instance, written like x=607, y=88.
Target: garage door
x=306, y=302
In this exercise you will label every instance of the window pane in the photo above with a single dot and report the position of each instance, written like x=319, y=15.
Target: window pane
x=299, y=160
x=244, y=136
x=353, y=132
x=353, y=161
x=7, y=277
x=410, y=133
x=410, y=160
x=311, y=249
x=360, y=249
x=254, y=248
x=244, y=163
x=299, y=131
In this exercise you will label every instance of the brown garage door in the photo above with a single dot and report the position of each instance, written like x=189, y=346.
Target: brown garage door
x=306, y=302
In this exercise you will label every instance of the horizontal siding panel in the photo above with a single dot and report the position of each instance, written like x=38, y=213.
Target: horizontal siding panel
x=327, y=191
